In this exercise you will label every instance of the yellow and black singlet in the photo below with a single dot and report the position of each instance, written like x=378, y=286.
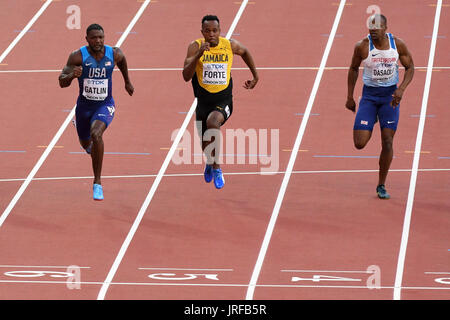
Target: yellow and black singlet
x=212, y=76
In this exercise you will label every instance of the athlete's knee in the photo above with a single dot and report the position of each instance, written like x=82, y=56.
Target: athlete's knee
x=97, y=130
x=360, y=143
x=360, y=138
x=387, y=143
x=96, y=135
x=214, y=120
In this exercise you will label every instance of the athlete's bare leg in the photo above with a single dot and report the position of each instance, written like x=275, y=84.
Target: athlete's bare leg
x=97, y=129
x=387, y=153
x=214, y=121
x=361, y=137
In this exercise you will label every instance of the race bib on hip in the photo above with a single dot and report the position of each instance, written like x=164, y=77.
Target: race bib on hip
x=215, y=73
x=95, y=89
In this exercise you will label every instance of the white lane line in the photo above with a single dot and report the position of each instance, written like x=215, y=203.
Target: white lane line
x=96, y=283
x=25, y=30
x=57, y=135
x=328, y=271
x=433, y=272
x=294, y=153
x=50, y=267
x=256, y=173
x=183, y=269
x=148, y=199
x=236, y=68
x=412, y=184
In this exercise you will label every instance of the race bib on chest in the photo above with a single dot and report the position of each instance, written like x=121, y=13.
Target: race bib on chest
x=384, y=69
x=95, y=89
x=215, y=73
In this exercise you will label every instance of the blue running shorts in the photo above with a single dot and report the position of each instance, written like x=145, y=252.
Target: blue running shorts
x=376, y=102
x=86, y=114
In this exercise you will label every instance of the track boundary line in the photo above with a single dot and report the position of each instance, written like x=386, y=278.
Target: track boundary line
x=155, y=184
x=412, y=184
x=248, y=173
x=216, y=285
x=24, y=30
x=293, y=156
x=59, y=133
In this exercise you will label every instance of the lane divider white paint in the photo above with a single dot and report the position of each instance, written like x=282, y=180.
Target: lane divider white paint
x=59, y=133
x=415, y=166
x=287, y=175
x=151, y=193
x=25, y=30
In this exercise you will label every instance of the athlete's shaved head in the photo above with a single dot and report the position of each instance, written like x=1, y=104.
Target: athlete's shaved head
x=377, y=25
x=377, y=21
x=94, y=26
x=210, y=17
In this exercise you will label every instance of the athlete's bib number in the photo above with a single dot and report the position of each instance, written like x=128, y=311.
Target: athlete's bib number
x=383, y=73
x=384, y=68
x=95, y=89
x=215, y=73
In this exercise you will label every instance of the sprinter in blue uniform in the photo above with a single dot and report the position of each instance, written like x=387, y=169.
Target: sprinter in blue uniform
x=379, y=53
x=93, y=66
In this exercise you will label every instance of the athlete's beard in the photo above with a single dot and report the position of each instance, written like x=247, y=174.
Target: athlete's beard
x=95, y=50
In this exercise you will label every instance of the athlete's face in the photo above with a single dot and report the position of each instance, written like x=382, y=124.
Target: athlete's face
x=95, y=39
x=211, y=32
x=377, y=29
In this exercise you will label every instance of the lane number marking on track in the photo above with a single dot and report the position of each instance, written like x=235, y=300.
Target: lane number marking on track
x=372, y=280
x=185, y=274
x=443, y=279
x=71, y=274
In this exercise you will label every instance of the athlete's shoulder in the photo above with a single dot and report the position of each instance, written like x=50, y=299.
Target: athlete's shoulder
x=75, y=58
x=362, y=47
x=227, y=42
x=76, y=52
x=363, y=42
x=401, y=46
x=398, y=41
x=116, y=50
x=195, y=44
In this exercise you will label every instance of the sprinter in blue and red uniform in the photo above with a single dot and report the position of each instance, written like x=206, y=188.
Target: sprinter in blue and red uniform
x=93, y=66
x=379, y=53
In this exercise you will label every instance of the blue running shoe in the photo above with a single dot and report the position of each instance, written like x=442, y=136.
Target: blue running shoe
x=98, y=192
x=382, y=193
x=219, y=180
x=208, y=173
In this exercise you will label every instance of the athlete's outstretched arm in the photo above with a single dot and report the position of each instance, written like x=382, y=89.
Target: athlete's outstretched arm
x=71, y=70
x=352, y=76
x=242, y=51
x=406, y=59
x=121, y=62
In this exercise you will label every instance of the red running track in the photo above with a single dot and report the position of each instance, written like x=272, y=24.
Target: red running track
x=195, y=242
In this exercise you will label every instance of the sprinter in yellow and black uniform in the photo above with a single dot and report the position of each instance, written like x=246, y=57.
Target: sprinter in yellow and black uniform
x=208, y=64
